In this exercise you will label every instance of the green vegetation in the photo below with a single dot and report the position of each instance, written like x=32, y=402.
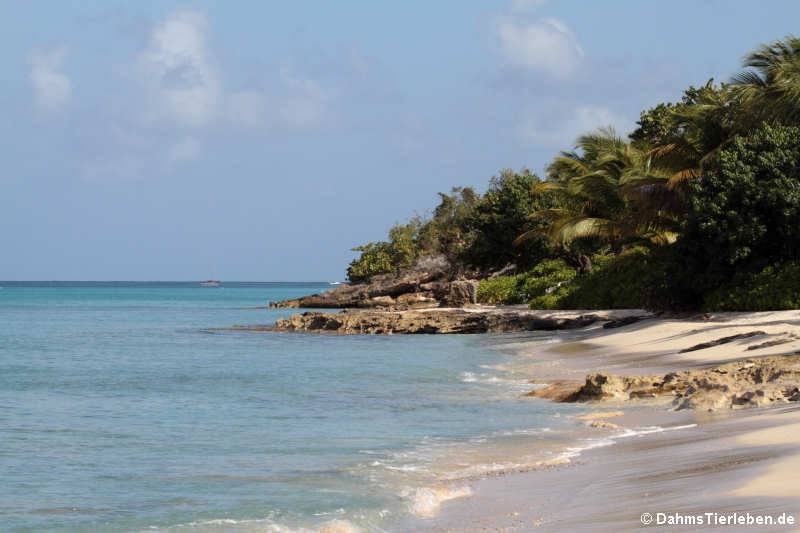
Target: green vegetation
x=528, y=286
x=775, y=287
x=443, y=233
x=500, y=290
x=499, y=216
x=382, y=257
x=746, y=211
x=698, y=208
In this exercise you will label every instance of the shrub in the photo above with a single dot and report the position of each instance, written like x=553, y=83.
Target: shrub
x=547, y=274
x=636, y=279
x=376, y=258
x=613, y=283
x=745, y=209
x=500, y=290
x=501, y=215
x=774, y=288
x=522, y=288
x=381, y=257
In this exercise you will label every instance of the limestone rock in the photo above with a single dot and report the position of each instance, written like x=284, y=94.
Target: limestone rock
x=352, y=321
x=704, y=401
x=749, y=383
x=602, y=424
x=461, y=293
x=427, y=279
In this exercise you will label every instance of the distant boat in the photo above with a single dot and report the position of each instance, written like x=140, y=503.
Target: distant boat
x=210, y=283
x=335, y=283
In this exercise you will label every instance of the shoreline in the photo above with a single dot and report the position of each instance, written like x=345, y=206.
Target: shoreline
x=470, y=319
x=742, y=460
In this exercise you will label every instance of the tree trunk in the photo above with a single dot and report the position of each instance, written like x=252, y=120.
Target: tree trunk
x=580, y=262
x=584, y=264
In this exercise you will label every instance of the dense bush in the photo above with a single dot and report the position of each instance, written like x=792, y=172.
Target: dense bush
x=637, y=279
x=613, y=283
x=546, y=275
x=525, y=287
x=745, y=209
x=500, y=216
x=381, y=257
x=446, y=233
x=376, y=258
x=499, y=290
x=774, y=288
x=443, y=233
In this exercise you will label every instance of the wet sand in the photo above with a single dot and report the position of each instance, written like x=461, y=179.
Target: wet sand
x=702, y=462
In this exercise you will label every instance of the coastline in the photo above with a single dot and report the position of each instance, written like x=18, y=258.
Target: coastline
x=469, y=319
x=726, y=461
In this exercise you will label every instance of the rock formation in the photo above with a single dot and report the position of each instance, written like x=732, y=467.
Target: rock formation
x=488, y=320
x=425, y=284
x=748, y=383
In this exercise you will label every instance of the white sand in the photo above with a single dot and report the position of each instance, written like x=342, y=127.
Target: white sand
x=729, y=461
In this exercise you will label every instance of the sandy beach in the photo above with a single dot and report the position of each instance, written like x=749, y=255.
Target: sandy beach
x=685, y=465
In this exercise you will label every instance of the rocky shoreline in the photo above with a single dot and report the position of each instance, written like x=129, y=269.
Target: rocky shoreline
x=477, y=319
x=428, y=283
x=748, y=383
x=422, y=300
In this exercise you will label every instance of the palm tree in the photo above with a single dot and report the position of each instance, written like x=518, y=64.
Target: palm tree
x=700, y=125
x=771, y=90
x=608, y=189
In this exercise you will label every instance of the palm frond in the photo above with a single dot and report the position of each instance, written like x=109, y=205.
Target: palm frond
x=569, y=229
x=685, y=174
x=549, y=214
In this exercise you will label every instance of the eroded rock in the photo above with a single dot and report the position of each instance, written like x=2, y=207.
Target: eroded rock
x=748, y=383
x=351, y=321
x=425, y=284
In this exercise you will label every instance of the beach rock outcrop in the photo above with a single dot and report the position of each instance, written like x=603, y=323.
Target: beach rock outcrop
x=425, y=284
x=749, y=383
x=461, y=293
x=351, y=321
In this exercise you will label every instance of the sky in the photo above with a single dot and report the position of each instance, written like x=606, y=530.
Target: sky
x=261, y=141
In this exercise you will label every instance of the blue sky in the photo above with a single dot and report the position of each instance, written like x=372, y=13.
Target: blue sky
x=160, y=140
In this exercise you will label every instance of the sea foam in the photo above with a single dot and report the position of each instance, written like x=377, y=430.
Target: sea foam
x=426, y=501
x=228, y=525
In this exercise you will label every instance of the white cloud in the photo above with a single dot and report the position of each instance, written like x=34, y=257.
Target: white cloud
x=159, y=134
x=561, y=130
x=546, y=45
x=177, y=69
x=52, y=88
x=291, y=100
x=178, y=96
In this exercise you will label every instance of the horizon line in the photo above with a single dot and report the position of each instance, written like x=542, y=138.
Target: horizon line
x=153, y=281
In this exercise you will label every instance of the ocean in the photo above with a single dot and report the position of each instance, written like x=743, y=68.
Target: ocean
x=121, y=412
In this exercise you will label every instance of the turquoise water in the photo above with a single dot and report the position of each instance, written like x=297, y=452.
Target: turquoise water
x=120, y=412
